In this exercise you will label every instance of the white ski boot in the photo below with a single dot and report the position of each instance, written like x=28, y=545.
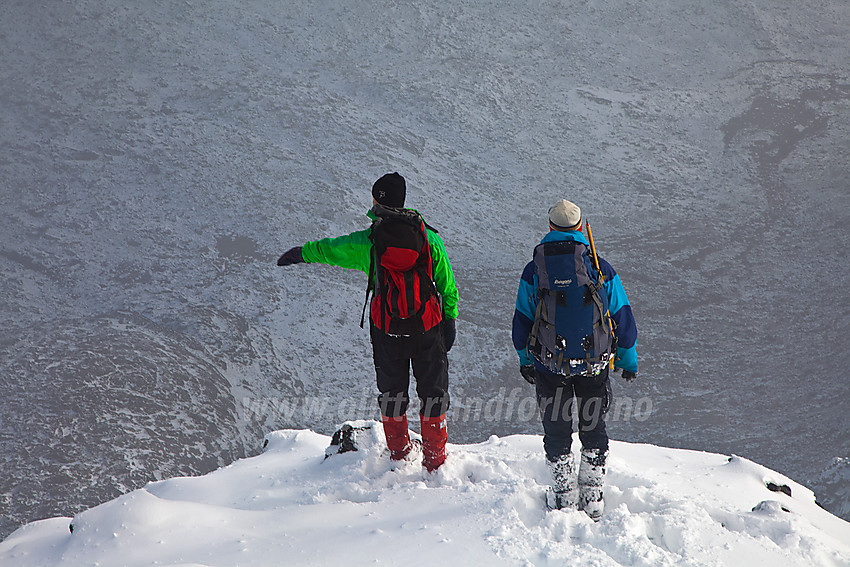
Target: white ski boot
x=591, y=478
x=562, y=494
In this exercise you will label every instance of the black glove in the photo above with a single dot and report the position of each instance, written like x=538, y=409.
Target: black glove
x=528, y=372
x=291, y=256
x=628, y=376
x=449, y=333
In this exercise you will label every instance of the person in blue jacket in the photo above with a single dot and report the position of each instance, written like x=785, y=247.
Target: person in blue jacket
x=588, y=383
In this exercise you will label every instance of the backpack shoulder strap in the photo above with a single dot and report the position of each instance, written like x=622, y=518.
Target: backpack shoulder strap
x=370, y=279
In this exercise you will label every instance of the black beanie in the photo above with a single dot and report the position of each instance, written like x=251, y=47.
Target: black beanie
x=390, y=190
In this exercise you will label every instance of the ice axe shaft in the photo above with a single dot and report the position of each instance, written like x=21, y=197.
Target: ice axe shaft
x=593, y=251
x=601, y=277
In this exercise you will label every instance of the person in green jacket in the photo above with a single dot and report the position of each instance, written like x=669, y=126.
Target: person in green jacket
x=394, y=351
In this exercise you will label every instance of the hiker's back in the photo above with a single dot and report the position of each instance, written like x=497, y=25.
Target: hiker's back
x=405, y=300
x=571, y=332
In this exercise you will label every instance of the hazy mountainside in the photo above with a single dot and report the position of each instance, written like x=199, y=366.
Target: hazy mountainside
x=109, y=419
x=156, y=158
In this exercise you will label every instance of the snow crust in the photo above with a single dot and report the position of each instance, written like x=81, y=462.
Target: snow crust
x=485, y=506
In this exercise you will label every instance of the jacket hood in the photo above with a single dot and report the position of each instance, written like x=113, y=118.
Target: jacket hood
x=373, y=217
x=559, y=236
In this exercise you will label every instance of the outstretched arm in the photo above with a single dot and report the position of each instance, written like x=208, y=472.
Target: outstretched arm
x=349, y=251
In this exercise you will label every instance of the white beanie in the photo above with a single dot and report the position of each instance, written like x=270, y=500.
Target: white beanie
x=565, y=215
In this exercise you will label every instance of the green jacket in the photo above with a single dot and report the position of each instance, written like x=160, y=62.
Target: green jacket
x=354, y=251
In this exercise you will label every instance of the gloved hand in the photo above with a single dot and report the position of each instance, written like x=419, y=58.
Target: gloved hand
x=628, y=376
x=291, y=256
x=449, y=333
x=528, y=373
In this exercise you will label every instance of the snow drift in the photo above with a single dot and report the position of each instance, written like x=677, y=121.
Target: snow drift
x=291, y=505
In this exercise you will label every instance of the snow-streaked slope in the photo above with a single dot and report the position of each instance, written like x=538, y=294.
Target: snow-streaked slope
x=156, y=157
x=291, y=506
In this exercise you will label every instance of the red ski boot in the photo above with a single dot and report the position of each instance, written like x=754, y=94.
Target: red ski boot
x=398, y=438
x=434, y=435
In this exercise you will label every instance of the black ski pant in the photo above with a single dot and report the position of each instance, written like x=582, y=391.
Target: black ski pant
x=559, y=398
x=394, y=356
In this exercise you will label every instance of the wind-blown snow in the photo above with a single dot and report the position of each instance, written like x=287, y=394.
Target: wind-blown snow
x=485, y=506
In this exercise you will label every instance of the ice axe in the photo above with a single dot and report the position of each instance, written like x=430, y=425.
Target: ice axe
x=601, y=277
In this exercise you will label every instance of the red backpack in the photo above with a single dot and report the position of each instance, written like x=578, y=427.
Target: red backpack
x=401, y=274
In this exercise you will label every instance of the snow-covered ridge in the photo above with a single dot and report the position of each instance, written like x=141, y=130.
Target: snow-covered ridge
x=157, y=157
x=291, y=505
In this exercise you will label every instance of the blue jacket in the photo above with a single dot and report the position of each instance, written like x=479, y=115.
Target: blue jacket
x=618, y=305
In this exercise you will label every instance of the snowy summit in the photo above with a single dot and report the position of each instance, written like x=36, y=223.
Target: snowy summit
x=292, y=505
